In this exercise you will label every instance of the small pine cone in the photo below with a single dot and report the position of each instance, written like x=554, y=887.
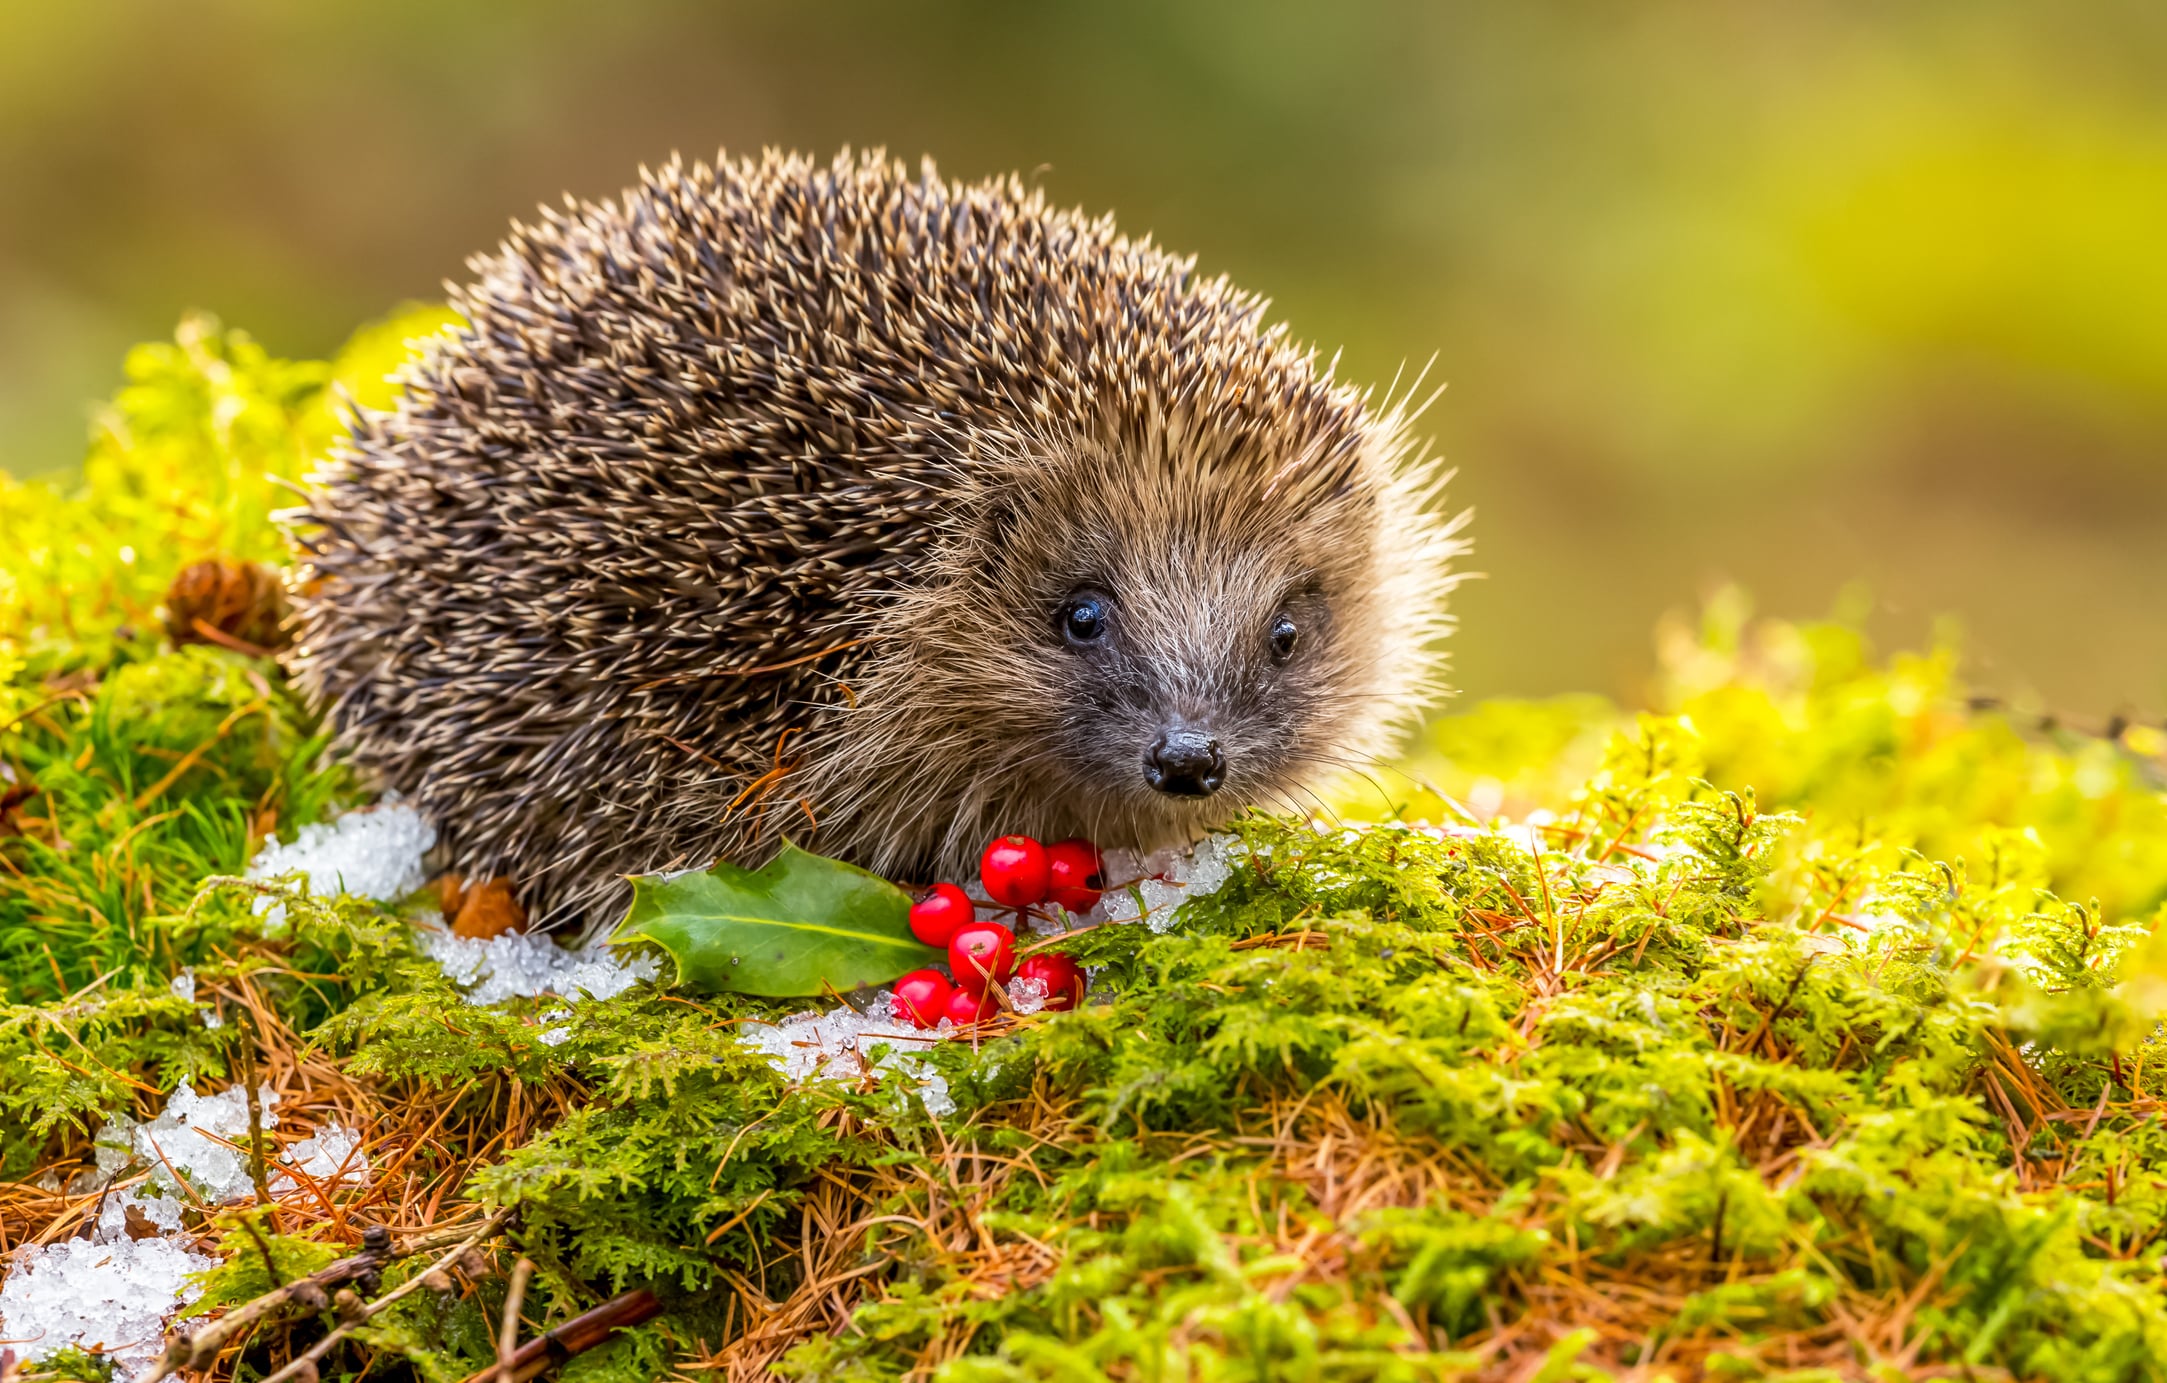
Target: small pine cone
x=236, y=605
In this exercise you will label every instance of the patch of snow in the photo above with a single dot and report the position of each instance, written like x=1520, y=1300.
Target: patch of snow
x=559, y=1035
x=373, y=853
x=114, y=1291
x=1205, y=869
x=523, y=963
x=1055, y=926
x=833, y=1046
x=112, y=1297
x=332, y=1158
x=162, y=1212
x=1169, y=879
x=184, y=1141
x=1129, y=864
x=933, y=1094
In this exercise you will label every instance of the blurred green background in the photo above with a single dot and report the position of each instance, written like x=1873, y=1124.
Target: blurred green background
x=1795, y=295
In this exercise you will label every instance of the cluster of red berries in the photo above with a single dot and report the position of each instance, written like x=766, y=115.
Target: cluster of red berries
x=1018, y=873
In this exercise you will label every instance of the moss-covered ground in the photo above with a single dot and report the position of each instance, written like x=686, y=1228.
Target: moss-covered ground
x=1804, y=1025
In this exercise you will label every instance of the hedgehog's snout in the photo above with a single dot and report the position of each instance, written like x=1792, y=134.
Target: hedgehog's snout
x=1185, y=762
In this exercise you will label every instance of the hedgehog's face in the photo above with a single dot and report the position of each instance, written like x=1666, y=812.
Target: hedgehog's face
x=1181, y=677
x=1155, y=647
x=1135, y=640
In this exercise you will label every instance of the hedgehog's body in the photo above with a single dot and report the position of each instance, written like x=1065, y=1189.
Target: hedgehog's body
x=884, y=513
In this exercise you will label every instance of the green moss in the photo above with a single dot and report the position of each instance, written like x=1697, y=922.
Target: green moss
x=1603, y=1041
x=74, y=1364
x=255, y=1259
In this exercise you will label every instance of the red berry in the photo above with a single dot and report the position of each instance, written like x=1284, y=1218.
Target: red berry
x=935, y=917
x=1013, y=870
x=1075, y=875
x=966, y=1007
x=922, y=996
x=979, y=950
x=1064, y=982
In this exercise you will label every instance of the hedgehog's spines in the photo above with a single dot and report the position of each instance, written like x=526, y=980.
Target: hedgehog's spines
x=704, y=464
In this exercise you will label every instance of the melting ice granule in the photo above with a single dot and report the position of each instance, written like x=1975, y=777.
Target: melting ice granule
x=834, y=1045
x=933, y=1094
x=370, y=854
x=184, y=1140
x=526, y=964
x=1187, y=874
x=555, y=1036
x=184, y=987
x=1027, y=994
x=114, y=1297
x=329, y=1159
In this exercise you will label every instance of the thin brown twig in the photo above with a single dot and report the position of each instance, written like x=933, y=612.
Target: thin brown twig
x=575, y=1336
x=508, y=1332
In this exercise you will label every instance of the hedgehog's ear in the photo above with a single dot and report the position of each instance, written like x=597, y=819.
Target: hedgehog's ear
x=1006, y=476
x=997, y=520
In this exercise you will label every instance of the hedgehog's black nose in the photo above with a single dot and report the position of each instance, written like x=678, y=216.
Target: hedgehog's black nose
x=1185, y=763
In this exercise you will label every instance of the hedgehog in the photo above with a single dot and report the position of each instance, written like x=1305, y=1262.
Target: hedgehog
x=820, y=501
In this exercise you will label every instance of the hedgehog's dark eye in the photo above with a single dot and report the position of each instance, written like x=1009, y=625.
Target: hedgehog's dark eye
x=1284, y=637
x=1082, y=619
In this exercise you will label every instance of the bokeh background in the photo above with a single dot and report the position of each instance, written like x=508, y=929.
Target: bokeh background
x=1826, y=299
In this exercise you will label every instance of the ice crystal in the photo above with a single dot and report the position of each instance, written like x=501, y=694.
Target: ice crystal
x=835, y=1045
x=521, y=963
x=189, y=1140
x=331, y=1158
x=109, y=1296
x=374, y=853
x=1027, y=994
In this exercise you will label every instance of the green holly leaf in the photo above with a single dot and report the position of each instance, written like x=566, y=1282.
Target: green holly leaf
x=797, y=926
